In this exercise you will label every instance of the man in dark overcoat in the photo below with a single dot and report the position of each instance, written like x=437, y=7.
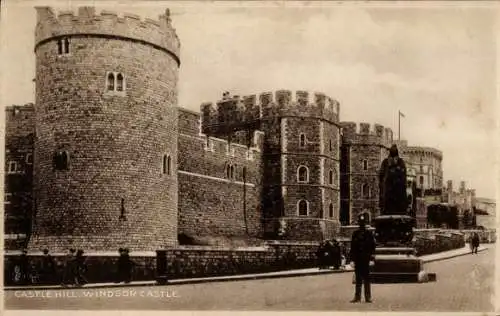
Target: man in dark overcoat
x=362, y=252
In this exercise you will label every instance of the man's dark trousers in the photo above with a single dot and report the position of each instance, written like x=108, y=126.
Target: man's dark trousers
x=362, y=273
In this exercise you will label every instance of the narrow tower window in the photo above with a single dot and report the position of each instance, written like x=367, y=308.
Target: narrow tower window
x=12, y=167
x=365, y=164
x=302, y=174
x=330, y=177
x=167, y=161
x=303, y=208
x=122, y=210
x=365, y=191
x=66, y=45
x=111, y=82
x=63, y=46
x=119, y=82
x=60, y=47
x=29, y=158
x=302, y=140
x=330, y=208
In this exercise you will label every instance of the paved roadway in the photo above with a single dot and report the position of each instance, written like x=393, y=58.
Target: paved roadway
x=463, y=284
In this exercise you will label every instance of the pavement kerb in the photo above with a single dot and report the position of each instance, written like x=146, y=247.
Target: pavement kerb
x=240, y=277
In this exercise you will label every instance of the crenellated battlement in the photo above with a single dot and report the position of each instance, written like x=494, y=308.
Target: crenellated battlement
x=159, y=33
x=237, y=110
x=365, y=132
x=15, y=108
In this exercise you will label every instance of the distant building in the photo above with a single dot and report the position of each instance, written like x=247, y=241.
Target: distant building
x=485, y=211
x=427, y=165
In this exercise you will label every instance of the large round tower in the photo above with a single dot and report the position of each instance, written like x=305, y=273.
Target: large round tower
x=106, y=131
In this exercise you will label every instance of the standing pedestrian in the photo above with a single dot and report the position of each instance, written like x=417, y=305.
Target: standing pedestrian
x=68, y=276
x=124, y=266
x=80, y=268
x=362, y=252
x=475, y=242
x=24, y=268
x=336, y=255
x=48, y=268
x=320, y=254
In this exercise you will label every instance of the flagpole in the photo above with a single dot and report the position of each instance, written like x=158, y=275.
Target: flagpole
x=399, y=125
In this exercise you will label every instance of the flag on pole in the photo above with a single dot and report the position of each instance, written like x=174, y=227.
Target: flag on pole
x=401, y=114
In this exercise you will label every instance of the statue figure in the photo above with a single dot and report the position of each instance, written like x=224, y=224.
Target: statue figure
x=392, y=182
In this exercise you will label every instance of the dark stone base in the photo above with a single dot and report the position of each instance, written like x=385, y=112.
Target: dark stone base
x=399, y=268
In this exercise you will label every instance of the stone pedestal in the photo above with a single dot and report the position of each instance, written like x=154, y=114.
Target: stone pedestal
x=395, y=260
x=398, y=265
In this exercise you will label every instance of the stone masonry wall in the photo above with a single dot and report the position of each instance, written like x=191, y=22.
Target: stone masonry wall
x=189, y=262
x=114, y=191
x=212, y=203
x=18, y=181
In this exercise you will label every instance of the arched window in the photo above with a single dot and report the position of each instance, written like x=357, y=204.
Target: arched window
x=111, y=82
x=61, y=160
x=330, y=177
x=330, y=210
x=302, y=174
x=365, y=164
x=119, y=82
x=228, y=171
x=232, y=172
x=331, y=145
x=303, y=208
x=365, y=191
x=302, y=140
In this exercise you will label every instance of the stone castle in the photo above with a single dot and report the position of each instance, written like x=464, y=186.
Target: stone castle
x=106, y=158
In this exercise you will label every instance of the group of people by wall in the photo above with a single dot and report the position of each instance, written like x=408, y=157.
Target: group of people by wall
x=331, y=253
x=71, y=271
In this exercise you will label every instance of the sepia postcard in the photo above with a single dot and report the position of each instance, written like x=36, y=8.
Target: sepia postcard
x=256, y=156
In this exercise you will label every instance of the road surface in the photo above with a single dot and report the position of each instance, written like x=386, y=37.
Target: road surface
x=463, y=284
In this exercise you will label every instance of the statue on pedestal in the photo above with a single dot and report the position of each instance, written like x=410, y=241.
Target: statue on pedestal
x=394, y=226
x=392, y=182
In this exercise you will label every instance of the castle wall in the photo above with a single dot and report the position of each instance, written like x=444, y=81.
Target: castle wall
x=113, y=192
x=364, y=148
x=211, y=202
x=18, y=180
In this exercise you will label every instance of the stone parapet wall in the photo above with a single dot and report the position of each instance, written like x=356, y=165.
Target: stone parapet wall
x=189, y=262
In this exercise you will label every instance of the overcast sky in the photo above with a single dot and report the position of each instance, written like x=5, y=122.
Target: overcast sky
x=435, y=64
